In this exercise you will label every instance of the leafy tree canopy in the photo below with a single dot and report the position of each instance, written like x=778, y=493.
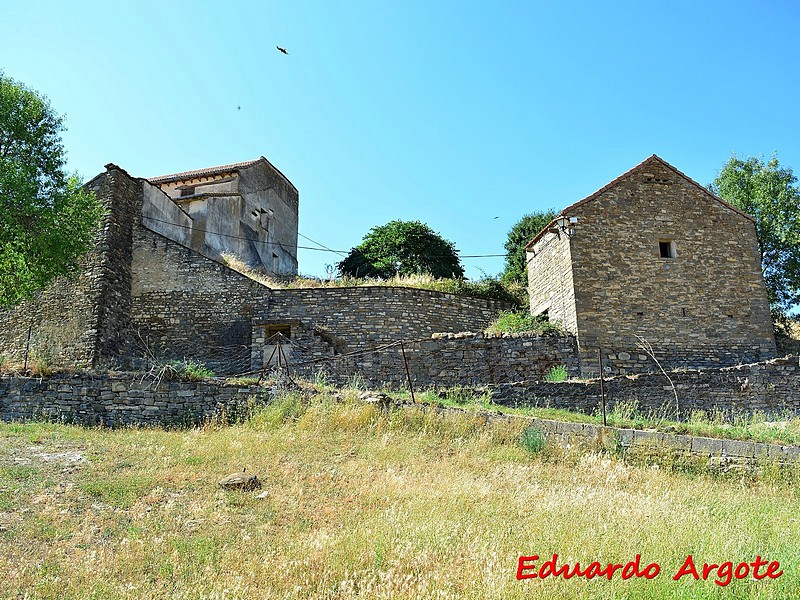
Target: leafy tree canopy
x=769, y=193
x=402, y=248
x=47, y=222
x=520, y=234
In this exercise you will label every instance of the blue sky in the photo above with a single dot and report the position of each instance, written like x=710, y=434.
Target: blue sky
x=452, y=113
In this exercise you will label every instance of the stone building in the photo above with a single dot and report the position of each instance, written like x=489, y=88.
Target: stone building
x=154, y=285
x=653, y=256
x=246, y=209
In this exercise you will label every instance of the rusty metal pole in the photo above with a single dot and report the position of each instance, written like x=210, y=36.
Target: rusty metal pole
x=408, y=372
x=602, y=384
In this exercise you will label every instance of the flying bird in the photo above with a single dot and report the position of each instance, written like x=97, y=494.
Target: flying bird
x=238, y=108
x=282, y=49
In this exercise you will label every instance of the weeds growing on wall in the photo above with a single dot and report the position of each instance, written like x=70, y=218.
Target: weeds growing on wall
x=510, y=321
x=533, y=440
x=185, y=370
x=557, y=374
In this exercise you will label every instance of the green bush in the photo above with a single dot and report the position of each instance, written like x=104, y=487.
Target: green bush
x=532, y=440
x=509, y=321
x=556, y=374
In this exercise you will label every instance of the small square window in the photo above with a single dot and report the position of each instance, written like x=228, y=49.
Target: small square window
x=666, y=248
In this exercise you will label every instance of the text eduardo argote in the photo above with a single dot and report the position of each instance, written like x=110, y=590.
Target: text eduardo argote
x=529, y=567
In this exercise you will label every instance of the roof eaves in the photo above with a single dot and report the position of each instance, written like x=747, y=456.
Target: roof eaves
x=203, y=172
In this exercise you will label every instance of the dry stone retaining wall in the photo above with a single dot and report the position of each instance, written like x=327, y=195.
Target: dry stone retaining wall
x=126, y=399
x=448, y=359
x=771, y=387
x=121, y=399
x=653, y=446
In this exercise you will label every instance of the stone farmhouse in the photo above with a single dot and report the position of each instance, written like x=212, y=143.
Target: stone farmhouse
x=653, y=256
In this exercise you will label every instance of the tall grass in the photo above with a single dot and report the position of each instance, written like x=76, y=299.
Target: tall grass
x=363, y=503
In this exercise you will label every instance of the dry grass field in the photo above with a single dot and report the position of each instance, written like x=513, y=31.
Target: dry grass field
x=365, y=504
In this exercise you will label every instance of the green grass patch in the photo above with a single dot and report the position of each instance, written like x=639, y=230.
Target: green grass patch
x=523, y=322
x=119, y=491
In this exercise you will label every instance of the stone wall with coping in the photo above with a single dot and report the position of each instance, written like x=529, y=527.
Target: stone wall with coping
x=358, y=318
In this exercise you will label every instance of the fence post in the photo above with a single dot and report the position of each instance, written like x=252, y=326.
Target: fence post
x=408, y=372
x=602, y=384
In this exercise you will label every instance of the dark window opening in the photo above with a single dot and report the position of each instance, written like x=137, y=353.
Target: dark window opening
x=187, y=191
x=683, y=312
x=666, y=248
x=272, y=331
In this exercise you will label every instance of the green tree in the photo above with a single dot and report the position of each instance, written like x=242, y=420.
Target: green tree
x=769, y=193
x=523, y=231
x=47, y=222
x=402, y=248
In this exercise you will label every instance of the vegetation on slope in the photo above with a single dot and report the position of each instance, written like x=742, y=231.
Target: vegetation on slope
x=363, y=503
x=489, y=288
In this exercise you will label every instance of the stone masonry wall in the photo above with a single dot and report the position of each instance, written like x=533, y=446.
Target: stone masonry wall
x=771, y=387
x=653, y=447
x=125, y=399
x=551, y=286
x=446, y=360
x=78, y=321
x=122, y=399
x=356, y=318
x=187, y=306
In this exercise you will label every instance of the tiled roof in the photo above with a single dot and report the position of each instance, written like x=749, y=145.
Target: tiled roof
x=204, y=172
x=641, y=165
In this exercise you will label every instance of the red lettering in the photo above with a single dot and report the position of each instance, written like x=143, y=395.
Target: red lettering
x=756, y=564
x=548, y=568
x=725, y=571
x=594, y=570
x=576, y=570
x=634, y=564
x=687, y=568
x=737, y=572
x=771, y=570
x=610, y=570
x=526, y=564
x=651, y=570
x=707, y=568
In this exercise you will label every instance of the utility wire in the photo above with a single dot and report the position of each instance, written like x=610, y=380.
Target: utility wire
x=322, y=249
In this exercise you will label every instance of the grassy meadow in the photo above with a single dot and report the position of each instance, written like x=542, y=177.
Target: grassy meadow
x=364, y=503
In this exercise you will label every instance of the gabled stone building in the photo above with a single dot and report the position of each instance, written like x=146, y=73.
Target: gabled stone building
x=653, y=256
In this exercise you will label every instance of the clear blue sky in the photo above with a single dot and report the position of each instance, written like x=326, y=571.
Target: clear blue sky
x=452, y=113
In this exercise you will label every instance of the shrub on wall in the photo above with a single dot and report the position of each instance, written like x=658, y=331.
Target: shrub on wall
x=521, y=322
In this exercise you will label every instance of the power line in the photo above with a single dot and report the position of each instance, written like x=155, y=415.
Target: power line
x=323, y=248
x=323, y=245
